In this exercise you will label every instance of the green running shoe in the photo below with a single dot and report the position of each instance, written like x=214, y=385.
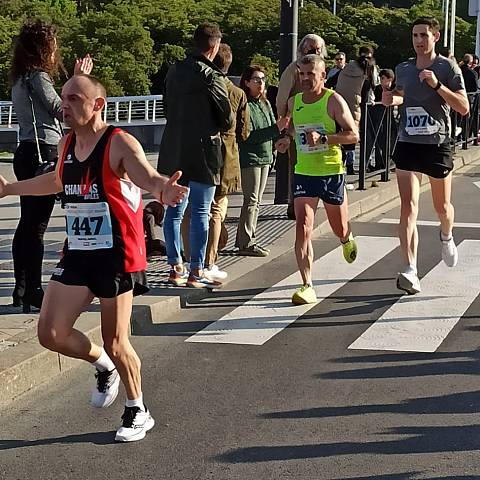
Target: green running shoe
x=303, y=295
x=350, y=249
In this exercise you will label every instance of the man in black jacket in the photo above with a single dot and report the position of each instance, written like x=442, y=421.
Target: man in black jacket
x=197, y=110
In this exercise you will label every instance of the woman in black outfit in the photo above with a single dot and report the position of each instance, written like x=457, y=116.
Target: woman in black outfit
x=35, y=62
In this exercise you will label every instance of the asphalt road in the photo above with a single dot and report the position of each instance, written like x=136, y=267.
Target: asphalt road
x=301, y=406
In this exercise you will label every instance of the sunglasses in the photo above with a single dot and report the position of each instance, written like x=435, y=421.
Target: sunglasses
x=338, y=59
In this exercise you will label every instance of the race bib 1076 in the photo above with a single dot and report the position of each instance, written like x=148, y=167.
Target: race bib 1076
x=89, y=226
x=419, y=122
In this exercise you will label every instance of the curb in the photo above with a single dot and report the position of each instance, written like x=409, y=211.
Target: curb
x=27, y=365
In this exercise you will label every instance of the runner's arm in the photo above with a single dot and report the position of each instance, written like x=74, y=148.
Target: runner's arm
x=47, y=184
x=282, y=144
x=38, y=186
x=392, y=98
x=339, y=111
x=457, y=100
x=127, y=156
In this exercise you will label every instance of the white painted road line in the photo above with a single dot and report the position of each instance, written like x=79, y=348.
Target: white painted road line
x=268, y=313
x=477, y=184
x=430, y=223
x=420, y=323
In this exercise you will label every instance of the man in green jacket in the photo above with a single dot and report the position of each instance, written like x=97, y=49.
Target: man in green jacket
x=197, y=110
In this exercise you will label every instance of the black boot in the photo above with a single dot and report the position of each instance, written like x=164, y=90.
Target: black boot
x=32, y=299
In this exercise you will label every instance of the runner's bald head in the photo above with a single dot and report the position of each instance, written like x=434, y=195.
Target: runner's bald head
x=89, y=85
x=83, y=100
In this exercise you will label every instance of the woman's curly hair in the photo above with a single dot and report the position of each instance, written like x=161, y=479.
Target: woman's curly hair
x=33, y=49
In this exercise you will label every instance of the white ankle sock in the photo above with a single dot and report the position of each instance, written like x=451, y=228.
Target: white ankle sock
x=445, y=238
x=411, y=269
x=104, y=363
x=137, y=402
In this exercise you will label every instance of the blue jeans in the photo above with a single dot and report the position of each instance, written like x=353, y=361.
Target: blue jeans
x=200, y=197
x=350, y=157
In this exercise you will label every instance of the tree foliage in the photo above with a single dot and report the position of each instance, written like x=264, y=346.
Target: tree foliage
x=133, y=42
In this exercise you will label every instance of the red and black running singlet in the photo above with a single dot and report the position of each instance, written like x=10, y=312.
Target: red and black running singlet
x=104, y=215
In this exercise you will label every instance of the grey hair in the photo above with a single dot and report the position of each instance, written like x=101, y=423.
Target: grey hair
x=308, y=38
x=312, y=58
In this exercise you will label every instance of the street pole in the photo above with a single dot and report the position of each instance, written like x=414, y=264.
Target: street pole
x=334, y=7
x=445, y=29
x=477, y=36
x=452, y=27
x=288, y=33
x=288, y=53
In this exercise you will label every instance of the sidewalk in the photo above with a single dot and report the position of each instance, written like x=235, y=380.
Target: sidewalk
x=24, y=364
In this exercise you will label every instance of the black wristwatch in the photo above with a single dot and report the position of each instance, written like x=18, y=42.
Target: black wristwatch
x=323, y=139
x=438, y=85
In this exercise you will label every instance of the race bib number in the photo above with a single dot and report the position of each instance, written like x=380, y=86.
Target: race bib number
x=419, y=122
x=89, y=226
x=302, y=142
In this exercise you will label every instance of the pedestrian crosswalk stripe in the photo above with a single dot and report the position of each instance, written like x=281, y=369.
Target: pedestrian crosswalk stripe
x=430, y=223
x=420, y=323
x=268, y=313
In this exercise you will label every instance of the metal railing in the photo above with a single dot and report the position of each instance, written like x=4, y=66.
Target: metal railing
x=379, y=134
x=145, y=110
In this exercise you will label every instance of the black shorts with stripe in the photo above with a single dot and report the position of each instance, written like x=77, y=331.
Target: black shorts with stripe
x=433, y=160
x=101, y=278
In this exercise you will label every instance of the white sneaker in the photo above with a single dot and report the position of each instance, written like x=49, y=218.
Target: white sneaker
x=136, y=423
x=106, y=389
x=214, y=273
x=409, y=282
x=449, y=252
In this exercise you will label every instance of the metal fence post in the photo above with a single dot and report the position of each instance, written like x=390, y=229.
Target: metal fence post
x=363, y=147
x=388, y=144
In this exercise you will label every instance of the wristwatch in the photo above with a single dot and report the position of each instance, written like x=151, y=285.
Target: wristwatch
x=438, y=85
x=323, y=139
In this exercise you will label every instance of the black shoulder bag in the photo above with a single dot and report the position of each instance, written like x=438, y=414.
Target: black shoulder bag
x=44, y=166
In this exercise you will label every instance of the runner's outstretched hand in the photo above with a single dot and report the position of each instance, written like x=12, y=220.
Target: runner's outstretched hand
x=3, y=184
x=172, y=192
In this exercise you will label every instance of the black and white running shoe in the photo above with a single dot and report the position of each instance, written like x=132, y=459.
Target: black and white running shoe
x=106, y=388
x=136, y=423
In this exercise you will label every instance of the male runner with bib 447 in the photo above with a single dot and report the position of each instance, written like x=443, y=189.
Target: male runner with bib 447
x=321, y=123
x=426, y=88
x=99, y=174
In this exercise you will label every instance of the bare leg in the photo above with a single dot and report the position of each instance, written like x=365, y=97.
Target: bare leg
x=409, y=190
x=116, y=314
x=338, y=218
x=305, y=208
x=441, y=196
x=61, y=307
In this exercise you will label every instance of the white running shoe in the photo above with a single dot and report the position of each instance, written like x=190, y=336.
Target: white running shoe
x=136, y=423
x=106, y=389
x=409, y=282
x=215, y=273
x=449, y=252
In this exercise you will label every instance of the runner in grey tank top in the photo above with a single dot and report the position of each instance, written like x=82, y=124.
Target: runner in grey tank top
x=427, y=87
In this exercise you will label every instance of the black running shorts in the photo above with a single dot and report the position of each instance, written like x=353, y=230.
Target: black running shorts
x=433, y=160
x=101, y=279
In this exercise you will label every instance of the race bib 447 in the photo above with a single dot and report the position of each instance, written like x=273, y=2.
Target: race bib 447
x=89, y=226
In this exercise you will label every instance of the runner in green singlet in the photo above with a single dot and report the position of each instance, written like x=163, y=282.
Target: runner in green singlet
x=321, y=122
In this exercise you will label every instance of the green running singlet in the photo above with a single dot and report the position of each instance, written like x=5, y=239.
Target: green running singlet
x=320, y=160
